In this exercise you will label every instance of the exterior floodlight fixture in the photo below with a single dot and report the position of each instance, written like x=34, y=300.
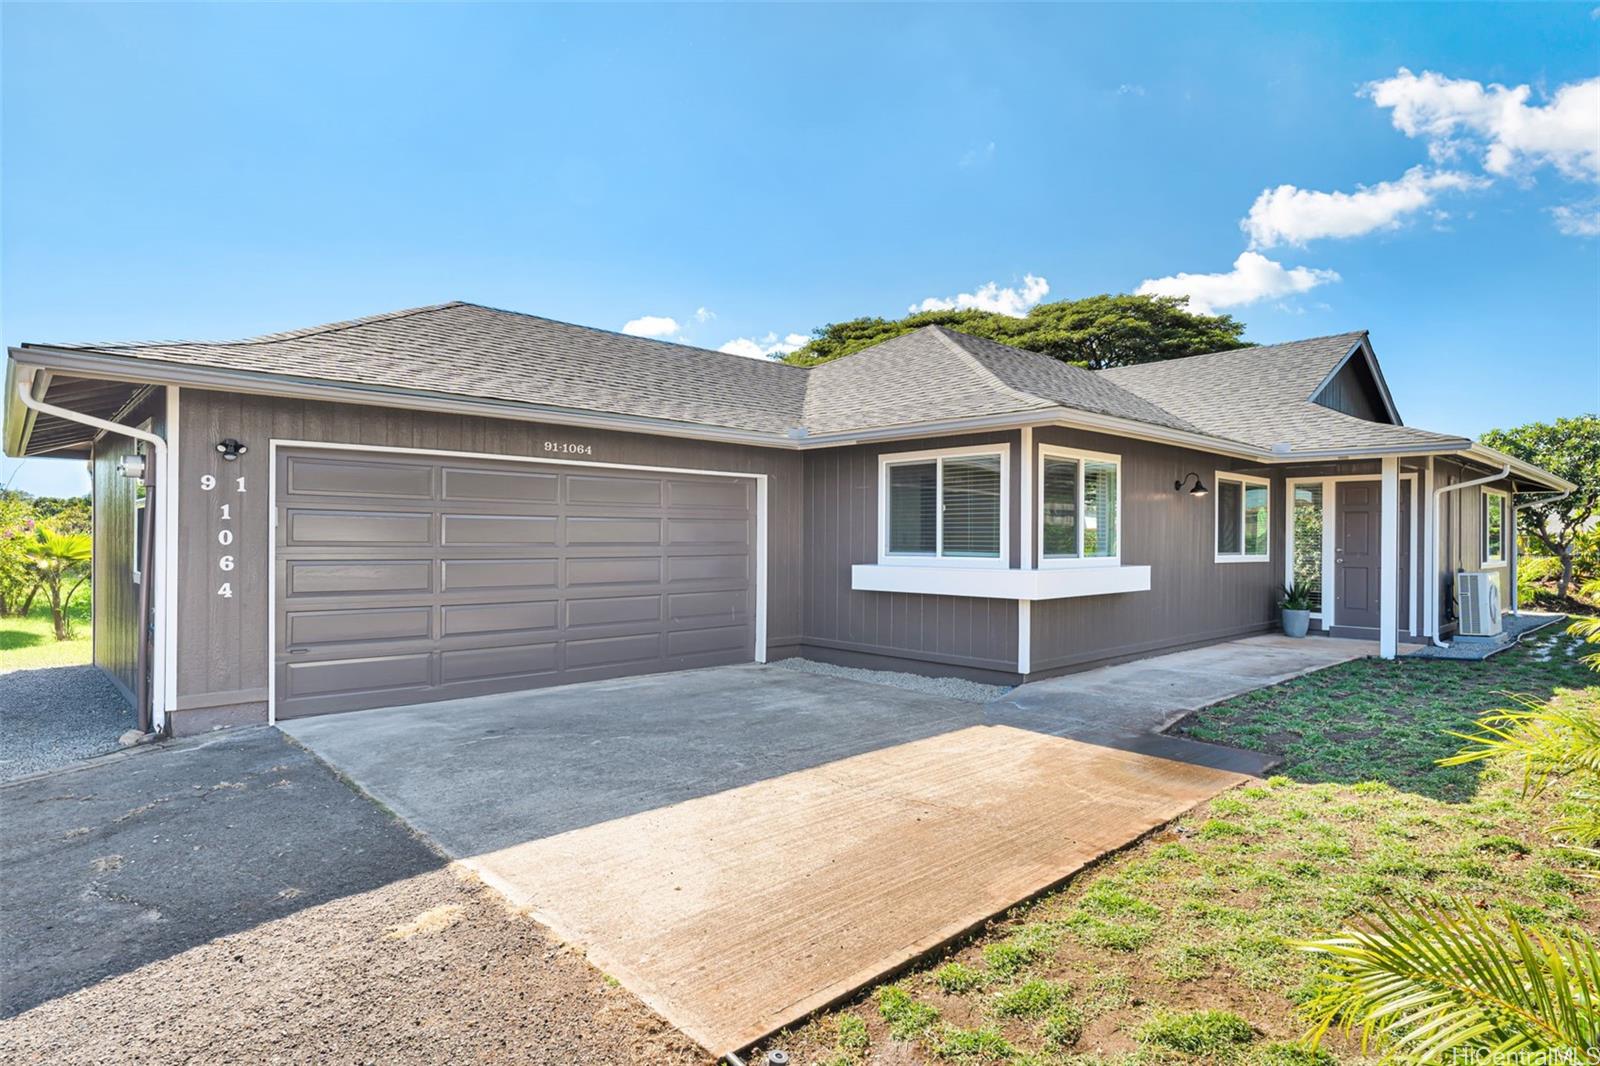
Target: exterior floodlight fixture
x=231, y=449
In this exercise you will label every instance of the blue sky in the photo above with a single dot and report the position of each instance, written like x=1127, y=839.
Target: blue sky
x=1428, y=173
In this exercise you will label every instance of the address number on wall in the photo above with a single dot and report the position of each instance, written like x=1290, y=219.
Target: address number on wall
x=562, y=447
x=225, y=563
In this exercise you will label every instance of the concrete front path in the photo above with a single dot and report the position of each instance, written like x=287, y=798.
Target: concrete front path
x=741, y=846
x=1129, y=704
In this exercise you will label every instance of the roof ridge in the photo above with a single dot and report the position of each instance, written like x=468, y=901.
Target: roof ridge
x=1235, y=351
x=273, y=338
x=947, y=337
x=630, y=336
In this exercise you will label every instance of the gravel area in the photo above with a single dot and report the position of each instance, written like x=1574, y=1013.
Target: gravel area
x=431, y=969
x=954, y=688
x=1514, y=628
x=56, y=716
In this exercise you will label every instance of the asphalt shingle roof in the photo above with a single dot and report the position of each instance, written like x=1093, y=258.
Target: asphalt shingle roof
x=1262, y=397
x=1254, y=396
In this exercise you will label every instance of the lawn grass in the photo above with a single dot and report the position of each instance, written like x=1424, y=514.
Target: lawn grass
x=1180, y=948
x=29, y=643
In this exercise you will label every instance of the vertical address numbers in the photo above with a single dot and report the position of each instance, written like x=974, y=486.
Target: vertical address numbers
x=225, y=562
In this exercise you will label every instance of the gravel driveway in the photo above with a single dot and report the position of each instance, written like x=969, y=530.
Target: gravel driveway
x=56, y=716
x=229, y=899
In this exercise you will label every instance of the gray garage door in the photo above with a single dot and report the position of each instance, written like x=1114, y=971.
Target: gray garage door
x=403, y=579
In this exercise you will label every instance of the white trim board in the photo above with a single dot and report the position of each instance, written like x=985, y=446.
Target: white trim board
x=759, y=652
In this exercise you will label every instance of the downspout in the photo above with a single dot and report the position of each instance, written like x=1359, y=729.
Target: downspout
x=1516, y=553
x=1433, y=547
x=159, y=531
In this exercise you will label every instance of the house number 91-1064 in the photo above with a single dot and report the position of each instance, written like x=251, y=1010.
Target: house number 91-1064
x=561, y=447
x=225, y=563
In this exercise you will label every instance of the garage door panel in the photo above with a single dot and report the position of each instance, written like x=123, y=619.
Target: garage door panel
x=465, y=619
x=503, y=576
x=613, y=531
x=708, y=531
x=612, y=651
x=469, y=574
x=614, y=570
x=729, y=639
x=358, y=527
x=350, y=577
x=313, y=628
x=731, y=493
x=500, y=530
x=629, y=491
x=487, y=664
x=681, y=568
x=383, y=673
x=349, y=477
x=612, y=610
x=506, y=486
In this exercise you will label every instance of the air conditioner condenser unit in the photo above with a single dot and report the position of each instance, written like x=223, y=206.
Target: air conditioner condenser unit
x=1478, y=604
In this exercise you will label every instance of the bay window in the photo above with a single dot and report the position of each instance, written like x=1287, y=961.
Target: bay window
x=1243, y=518
x=945, y=507
x=1080, y=507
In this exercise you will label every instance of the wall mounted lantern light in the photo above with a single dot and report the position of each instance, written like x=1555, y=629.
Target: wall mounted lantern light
x=231, y=449
x=1199, y=486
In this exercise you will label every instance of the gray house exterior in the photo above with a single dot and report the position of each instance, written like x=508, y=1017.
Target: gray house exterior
x=455, y=500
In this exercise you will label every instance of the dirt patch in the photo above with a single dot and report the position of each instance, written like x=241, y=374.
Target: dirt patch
x=471, y=982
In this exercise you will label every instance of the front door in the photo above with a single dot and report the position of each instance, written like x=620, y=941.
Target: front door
x=1357, y=562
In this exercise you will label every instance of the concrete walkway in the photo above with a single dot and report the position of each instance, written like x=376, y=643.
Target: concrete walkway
x=1128, y=705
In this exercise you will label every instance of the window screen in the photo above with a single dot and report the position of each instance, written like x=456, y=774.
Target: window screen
x=913, y=501
x=1256, y=530
x=1229, y=497
x=972, y=506
x=1099, y=509
x=1060, y=508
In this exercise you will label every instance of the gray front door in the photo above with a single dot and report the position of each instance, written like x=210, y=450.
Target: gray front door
x=402, y=579
x=1357, y=562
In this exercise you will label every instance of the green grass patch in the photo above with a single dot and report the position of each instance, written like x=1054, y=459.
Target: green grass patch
x=958, y=978
x=974, y=1045
x=1029, y=999
x=29, y=642
x=1201, y=1032
x=1063, y=1027
x=906, y=1017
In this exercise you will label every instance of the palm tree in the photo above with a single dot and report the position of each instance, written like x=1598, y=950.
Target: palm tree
x=1433, y=982
x=62, y=563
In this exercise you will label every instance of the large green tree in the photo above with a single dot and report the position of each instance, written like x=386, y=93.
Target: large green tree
x=1569, y=448
x=1094, y=332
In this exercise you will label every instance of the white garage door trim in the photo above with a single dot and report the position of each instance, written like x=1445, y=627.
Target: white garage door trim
x=272, y=539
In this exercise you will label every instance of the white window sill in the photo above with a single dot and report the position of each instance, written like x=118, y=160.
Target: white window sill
x=1244, y=559
x=1051, y=584
x=1493, y=564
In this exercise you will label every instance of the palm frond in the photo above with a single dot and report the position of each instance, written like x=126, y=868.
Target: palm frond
x=1551, y=741
x=1421, y=982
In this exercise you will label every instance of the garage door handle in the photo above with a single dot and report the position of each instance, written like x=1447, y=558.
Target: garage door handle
x=299, y=651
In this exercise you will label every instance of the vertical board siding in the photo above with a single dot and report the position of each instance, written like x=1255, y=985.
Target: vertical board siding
x=223, y=657
x=115, y=609
x=1461, y=534
x=841, y=529
x=1192, y=598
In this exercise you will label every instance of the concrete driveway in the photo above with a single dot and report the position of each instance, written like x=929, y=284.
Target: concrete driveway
x=741, y=846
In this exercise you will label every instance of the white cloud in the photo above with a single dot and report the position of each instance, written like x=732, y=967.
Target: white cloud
x=704, y=315
x=1578, y=220
x=1130, y=89
x=652, y=326
x=973, y=156
x=1253, y=277
x=1291, y=215
x=1455, y=114
x=991, y=297
x=768, y=347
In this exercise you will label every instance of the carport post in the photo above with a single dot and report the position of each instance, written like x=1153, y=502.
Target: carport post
x=1389, y=575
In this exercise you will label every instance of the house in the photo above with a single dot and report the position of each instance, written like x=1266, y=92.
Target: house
x=456, y=500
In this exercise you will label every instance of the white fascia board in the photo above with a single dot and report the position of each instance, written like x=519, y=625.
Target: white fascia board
x=990, y=584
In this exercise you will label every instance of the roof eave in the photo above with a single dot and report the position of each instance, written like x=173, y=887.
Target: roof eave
x=1521, y=468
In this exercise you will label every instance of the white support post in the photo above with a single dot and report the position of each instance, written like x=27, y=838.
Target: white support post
x=1389, y=571
x=1430, y=550
x=1025, y=514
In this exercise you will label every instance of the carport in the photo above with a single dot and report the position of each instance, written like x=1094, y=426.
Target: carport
x=743, y=845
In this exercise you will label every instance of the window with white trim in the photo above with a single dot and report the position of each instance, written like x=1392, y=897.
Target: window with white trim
x=945, y=507
x=1080, y=507
x=1494, y=527
x=1243, y=518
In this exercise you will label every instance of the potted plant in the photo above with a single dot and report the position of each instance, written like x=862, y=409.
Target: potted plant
x=1296, y=605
